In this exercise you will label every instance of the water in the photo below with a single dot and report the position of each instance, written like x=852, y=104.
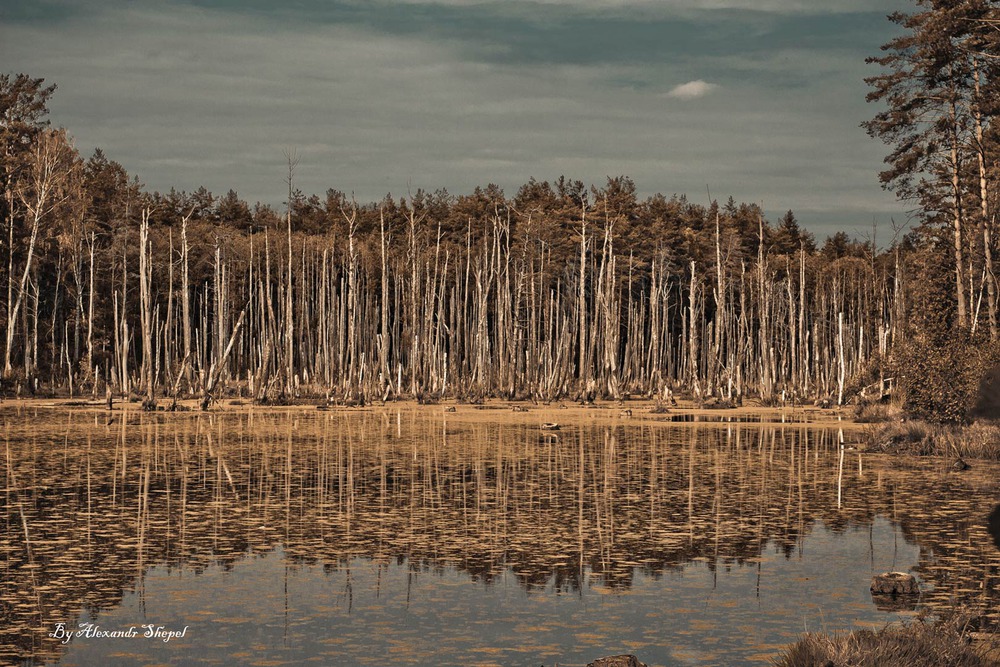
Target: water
x=409, y=536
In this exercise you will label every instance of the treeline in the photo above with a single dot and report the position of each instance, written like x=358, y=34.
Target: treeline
x=561, y=290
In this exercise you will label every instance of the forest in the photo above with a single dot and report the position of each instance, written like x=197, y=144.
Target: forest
x=558, y=291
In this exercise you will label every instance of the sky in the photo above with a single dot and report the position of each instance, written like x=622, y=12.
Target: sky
x=760, y=100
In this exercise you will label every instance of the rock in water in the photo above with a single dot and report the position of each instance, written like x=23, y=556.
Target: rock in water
x=895, y=583
x=617, y=661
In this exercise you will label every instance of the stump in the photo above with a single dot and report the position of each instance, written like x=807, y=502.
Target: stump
x=895, y=583
x=617, y=661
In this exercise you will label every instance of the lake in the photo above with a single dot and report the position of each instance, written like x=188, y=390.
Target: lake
x=407, y=535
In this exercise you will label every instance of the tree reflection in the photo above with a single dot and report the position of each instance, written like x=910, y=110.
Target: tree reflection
x=90, y=506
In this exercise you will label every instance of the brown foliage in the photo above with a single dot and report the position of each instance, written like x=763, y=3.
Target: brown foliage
x=919, y=644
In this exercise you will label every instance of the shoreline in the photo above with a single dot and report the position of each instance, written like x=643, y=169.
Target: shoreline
x=893, y=436
x=638, y=410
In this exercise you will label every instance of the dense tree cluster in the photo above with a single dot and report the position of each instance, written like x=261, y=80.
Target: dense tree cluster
x=560, y=290
x=557, y=290
x=938, y=82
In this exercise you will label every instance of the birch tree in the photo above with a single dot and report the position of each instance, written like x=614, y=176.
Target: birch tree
x=41, y=188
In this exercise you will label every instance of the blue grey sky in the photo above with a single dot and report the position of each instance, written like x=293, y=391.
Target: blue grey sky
x=758, y=99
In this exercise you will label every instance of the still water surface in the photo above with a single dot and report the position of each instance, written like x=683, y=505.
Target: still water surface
x=406, y=535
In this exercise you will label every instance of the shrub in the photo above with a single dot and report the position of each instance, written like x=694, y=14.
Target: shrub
x=875, y=413
x=919, y=644
x=940, y=377
x=979, y=441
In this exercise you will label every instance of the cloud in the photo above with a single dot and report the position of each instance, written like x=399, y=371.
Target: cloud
x=211, y=96
x=692, y=90
x=811, y=7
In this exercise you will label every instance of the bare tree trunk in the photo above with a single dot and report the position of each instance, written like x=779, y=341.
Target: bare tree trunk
x=584, y=368
x=985, y=222
x=413, y=324
x=383, y=343
x=51, y=167
x=720, y=305
x=13, y=311
x=352, y=375
x=216, y=368
x=186, y=296
x=956, y=190
x=764, y=316
x=803, y=343
x=289, y=301
x=168, y=330
x=92, y=369
x=840, y=358
x=693, y=371
x=146, y=311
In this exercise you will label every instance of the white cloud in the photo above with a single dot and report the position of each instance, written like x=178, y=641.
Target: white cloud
x=692, y=90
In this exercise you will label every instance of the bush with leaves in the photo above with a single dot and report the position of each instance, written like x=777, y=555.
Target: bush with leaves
x=940, y=378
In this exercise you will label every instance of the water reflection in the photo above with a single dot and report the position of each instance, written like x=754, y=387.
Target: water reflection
x=102, y=517
x=994, y=524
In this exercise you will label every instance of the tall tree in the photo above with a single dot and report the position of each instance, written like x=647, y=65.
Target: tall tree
x=922, y=87
x=937, y=91
x=42, y=187
x=23, y=108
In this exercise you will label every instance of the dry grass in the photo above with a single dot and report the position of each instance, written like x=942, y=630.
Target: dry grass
x=920, y=644
x=978, y=441
x=876, y=413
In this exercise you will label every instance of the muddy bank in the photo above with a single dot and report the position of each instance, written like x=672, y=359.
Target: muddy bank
x=644, y=411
